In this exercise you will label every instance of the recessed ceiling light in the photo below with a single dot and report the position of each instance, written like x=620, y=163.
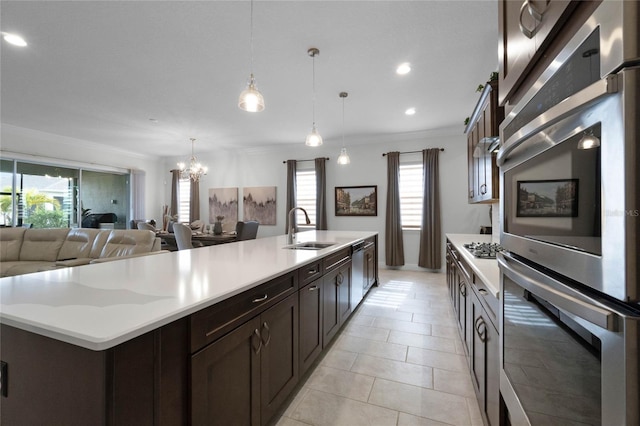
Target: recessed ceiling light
x=14, y=39
x=410, y=111
x=403, y=68
x=153, y=120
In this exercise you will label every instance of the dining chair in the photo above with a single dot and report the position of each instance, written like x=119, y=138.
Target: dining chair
x=146, y=226
x=182, y=233
x=247, y=230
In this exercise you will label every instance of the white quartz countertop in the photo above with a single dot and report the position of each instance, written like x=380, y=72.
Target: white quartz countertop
x=486, y=269
x=102, y=305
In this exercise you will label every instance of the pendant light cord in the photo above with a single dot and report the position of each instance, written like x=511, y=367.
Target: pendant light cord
x=313, y=78
x=251, y=38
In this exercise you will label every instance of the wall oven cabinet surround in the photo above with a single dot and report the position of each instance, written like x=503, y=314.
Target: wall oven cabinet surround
x=192, y=337
x=482, y=141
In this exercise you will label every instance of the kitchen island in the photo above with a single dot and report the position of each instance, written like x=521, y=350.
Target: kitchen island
x=124, y=342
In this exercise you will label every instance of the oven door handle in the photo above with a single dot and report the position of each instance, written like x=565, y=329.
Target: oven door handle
x=549, y=289
x=571, y=105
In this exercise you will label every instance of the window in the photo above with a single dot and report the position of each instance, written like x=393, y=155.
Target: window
x=411, y=195
x=184, y=199
x=306, y=196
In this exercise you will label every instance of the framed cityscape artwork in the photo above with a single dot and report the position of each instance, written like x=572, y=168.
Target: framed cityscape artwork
x=357, y=200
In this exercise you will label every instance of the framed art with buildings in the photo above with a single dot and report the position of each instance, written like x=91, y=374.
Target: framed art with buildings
x=357, y=200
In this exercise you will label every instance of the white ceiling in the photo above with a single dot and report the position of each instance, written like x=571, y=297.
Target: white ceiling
x=100, y=70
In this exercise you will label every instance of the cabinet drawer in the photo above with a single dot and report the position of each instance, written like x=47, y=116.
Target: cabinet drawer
x=489, y=302
x=309, y=273
x=336, y=260
x=211, y=323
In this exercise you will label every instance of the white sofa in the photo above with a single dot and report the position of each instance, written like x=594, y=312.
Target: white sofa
x=24, y=250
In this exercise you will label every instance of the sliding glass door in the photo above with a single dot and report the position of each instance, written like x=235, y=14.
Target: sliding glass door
x=49, y=196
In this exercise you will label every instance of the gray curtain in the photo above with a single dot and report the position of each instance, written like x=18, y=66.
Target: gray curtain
x=394, y=245
x=430, y=234
x=291, y=193
x=194, y=201
x=321, y=194
x=175, y=190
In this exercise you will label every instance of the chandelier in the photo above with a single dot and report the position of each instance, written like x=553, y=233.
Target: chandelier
x=195, y=169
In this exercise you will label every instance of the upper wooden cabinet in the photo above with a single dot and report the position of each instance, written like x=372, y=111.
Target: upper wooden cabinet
x=526, y=28
x=482, y=139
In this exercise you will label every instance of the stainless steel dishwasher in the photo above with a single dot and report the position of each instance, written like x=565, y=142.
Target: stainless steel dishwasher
x=357, y=271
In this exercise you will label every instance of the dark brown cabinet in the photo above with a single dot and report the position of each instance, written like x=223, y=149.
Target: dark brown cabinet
x=475, y=309
x=484, y=360
x=459, y=282
x=310, y=297
x=370, y=261
x=482, y=141
x=243, y=377
x=526, y=28
x=336, y=301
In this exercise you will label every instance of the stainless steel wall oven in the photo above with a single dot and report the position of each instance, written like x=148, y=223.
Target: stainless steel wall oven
x=570, y=281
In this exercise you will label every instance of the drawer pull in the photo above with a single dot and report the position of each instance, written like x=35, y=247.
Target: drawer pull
x=482, y=291
x=338, y=262
x=314, y=288
x=312, y=271
x=261, y=299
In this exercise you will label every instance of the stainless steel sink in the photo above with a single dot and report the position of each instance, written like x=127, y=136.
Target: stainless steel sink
x=309, y=245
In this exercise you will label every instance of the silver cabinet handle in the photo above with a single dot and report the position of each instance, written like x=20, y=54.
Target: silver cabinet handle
x=463, y=289
x=339, y=278
x=482, y=291
x=483, y=188
x=265, y=327
x=312, y=271
x=537, y=14
x=524, y=30
x=261, y=299
x=482, y=333
x=314, y=288
x=256, y=341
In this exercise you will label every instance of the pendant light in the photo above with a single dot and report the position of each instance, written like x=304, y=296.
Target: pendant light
x=313, y=138
x=195, y=170
x=251, y=99
x=588, y=140
x=343, y=158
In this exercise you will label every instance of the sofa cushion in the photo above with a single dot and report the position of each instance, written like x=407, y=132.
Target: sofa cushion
x=124, y=243
x=78, y=243
x=42, y=244
x=10, y=243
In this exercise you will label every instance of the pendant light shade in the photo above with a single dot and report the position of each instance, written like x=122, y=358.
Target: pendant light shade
x=343, y=158
x=195, y=170
x=588, y=141
x=251, y=99
x=313, y=138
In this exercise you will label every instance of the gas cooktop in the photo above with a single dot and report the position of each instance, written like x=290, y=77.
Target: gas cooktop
x=484, y=250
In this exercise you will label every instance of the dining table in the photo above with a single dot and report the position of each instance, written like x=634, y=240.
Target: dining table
x=197, y=238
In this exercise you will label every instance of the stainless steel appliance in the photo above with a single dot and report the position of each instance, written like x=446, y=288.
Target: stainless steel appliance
x=570, y=283
x=575, y=210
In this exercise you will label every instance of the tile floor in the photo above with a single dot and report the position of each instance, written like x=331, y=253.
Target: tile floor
x=398, y=361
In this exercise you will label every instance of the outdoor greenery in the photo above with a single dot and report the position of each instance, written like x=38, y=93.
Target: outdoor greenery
x=40, y=210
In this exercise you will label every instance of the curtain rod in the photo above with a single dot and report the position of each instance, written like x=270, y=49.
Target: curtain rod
x=410, y=152
x=299, y=161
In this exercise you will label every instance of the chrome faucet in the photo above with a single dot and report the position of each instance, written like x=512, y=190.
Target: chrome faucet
x=292, y=227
